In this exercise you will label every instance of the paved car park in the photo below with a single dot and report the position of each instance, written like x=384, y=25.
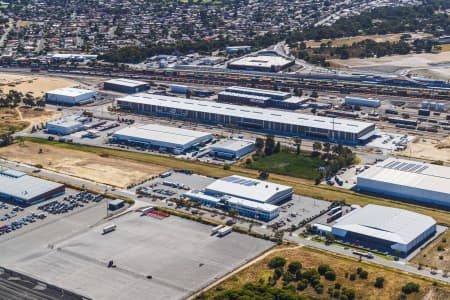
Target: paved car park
x=161, y=259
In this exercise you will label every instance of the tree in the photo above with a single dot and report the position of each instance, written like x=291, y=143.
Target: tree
x=379, y=282
x=317, y=146
x=259, y=144
x=226, y=167
x=314, y=94
x=263, y=175
x=410, y=287
x=277, y=262
x=188, y=93
x=323, y=268
x=269, y=145
x=277, y=148
x=294, y=267
x=232, y=213
x=330, y=275
x=298, y=143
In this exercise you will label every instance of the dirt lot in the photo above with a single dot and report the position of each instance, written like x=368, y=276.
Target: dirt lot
x=38, y=85
x=98, y=168
x=17, y=119
x=422, y=60
x=428, y=149
x=364, y=288
x=436, y=254
x=355, y=39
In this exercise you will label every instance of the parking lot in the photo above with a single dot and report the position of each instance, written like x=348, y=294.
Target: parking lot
x=180, y=255
x=16, y=219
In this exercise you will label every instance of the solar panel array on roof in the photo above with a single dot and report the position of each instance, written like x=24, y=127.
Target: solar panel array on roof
x=241, y=181
x=406, y=167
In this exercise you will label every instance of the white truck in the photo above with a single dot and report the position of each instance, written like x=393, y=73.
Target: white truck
x=224, y=231
x=216, y=229
x=109, y=228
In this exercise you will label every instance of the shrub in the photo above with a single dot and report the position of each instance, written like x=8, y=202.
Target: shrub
x=303, y=284
x=379, y=282
x=330, y=275
x=277, y=262
x=226, y=167
x=323, y=269
x=352, y=277
x=337, y=286
x=318, y=288
x=363, y=274
x=358, y=270
x=294, y=267
x=410, y=287
x=440, y=248
x=277, y=273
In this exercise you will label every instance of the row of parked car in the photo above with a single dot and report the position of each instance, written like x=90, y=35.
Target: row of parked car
x=21, y=222
x=70, y=202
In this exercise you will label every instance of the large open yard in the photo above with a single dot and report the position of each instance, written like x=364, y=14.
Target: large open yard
x=17, y=119
x=429, y=149
x=95, y=167
x=303, y=165
x=343, y=267
x=154, y=259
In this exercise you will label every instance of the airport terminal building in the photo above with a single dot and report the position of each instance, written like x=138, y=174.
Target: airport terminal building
x=410, y=180
x=21, y=188
x=385, y=228
x=250, y=118
x=252, y=198
x=163, y=138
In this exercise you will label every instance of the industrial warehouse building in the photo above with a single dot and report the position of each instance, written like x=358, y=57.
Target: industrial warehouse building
x=70, y=96
x=369, y=102
x=127, y=86
x=21, y=188
x=232, y=148
x=250, y=197
x=250, y=118
x=385, y=228
x=71, y=124
x=163, y=138
x=410, y=180
x=262, y=63
x=260, y=97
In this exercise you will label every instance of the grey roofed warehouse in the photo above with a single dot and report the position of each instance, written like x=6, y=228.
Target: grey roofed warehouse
x=176, y=140
x=384, y=227
x=253, y=118
x=124, y=85
x=19, y=187
x=407, y=179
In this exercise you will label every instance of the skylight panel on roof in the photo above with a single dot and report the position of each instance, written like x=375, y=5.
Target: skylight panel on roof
x=422, y=169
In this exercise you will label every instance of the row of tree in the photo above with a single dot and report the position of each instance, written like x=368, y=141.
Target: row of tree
x=13, y=98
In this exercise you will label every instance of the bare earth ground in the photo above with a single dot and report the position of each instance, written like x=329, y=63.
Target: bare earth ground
x=432, y=257
x=112, y=171
x=421, y=60
x=38, y=85
x=36, y=116
x=355, y=39
x=427, y=149
x=10, y=121
x=16, y=119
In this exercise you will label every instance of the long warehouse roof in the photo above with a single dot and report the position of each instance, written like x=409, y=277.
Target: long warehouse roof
x=20, y=185
x=126, y=82
x=410, y=173
x=387, y=223
x=243, y=89
x=70, y=92
x=271, y=115
x=161, y=133
x=247, y=188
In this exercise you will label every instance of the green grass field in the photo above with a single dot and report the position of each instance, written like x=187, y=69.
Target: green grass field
x=302, y=166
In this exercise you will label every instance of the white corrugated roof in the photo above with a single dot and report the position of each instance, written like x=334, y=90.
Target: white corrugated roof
x=22, y=186
x=247, y=188
x=410, y=173
x=263, y=92
x=155, y=132
x=126, y=82
x=387, y=223
x=70, y=92
x=270, y=115
x=232, y=144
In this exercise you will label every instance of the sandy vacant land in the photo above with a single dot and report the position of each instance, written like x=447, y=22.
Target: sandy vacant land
x=38, y=85
x=37, y=115
x=355, y=39
x=17, y=119
x=107, y=170
x=10, y=121
x=421, y=60
x=436, y=254
x=427, y=149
